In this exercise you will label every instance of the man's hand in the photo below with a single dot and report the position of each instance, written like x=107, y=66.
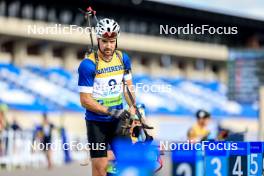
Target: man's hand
x=119, y=113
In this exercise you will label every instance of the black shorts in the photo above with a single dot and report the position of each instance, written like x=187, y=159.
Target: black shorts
x=47, y=142
x=100, y=136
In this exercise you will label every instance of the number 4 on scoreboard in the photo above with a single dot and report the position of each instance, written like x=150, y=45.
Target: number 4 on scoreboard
x=237, y=169
x=238, y=166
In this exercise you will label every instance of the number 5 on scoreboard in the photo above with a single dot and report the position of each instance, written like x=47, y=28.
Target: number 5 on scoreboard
x=255, y=159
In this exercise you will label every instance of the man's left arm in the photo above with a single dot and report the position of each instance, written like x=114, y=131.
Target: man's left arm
x=129, y=84
x=129, y=87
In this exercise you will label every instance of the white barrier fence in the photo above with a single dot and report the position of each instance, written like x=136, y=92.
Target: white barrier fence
x=17, y=151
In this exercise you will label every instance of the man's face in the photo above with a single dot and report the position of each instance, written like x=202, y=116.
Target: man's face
x=45, y=120
x=107, y=46
x=204, y=122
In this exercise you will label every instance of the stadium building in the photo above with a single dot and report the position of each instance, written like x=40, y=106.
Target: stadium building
x=43, y=42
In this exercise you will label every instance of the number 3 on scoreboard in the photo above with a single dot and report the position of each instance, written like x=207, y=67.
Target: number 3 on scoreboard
x=217, y=162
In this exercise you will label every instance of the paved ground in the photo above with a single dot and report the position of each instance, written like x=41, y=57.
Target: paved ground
x=73, y=169
x=67, y=170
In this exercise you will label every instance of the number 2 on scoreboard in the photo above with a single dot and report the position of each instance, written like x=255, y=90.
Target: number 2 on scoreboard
x=184, y=169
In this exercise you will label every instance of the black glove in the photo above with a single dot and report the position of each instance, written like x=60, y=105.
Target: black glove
x=136, y=131
x=119, y=113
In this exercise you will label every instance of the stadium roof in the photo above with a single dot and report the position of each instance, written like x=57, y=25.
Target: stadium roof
x=242, y=8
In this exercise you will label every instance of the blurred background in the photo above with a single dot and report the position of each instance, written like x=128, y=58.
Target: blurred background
x=38, y=72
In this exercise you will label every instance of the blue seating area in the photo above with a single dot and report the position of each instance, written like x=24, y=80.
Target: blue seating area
x=52, y=89
x=58, y=76
x=48, y=95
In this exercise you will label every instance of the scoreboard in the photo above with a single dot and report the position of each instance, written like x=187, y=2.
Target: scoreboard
x=245, y=160
x=212, y=158
x=245, y=74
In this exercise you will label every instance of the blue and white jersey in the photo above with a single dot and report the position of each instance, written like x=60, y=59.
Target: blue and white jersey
x=105, y=84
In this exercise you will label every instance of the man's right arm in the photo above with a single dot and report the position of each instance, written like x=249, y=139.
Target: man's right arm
x=89, y=103
x=86, y=73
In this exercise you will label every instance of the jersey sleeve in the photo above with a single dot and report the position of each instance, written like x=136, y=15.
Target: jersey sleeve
x=127, y=65
x=86, y=73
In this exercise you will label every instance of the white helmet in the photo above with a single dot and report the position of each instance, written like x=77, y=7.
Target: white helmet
x=107, y=28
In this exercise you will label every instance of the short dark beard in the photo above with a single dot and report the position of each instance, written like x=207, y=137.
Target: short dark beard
x=104, y=58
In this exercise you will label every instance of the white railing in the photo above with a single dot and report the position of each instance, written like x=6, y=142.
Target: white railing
x=18, y=151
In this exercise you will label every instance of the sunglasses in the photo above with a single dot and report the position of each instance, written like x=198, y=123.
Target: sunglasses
x=109, y=35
